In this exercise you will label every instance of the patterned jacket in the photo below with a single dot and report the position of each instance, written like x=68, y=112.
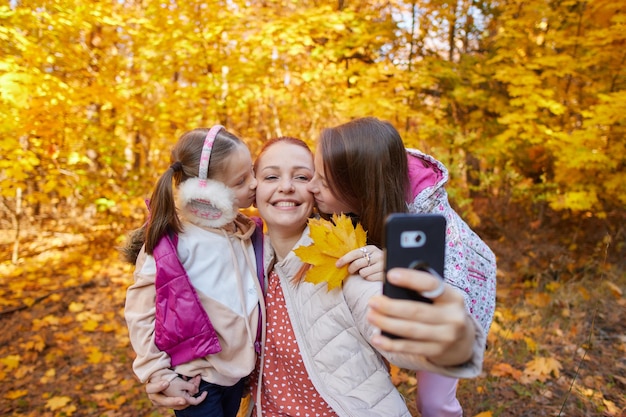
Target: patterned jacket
x=470, y=265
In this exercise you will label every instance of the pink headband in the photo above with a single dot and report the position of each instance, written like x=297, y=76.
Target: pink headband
x=206, y=153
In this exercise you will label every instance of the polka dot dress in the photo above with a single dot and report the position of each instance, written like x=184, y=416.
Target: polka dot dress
x=287, y=388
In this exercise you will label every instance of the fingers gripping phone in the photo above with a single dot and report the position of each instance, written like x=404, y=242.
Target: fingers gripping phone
x=415, y=241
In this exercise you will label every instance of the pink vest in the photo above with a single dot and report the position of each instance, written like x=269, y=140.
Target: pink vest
x=182, y=326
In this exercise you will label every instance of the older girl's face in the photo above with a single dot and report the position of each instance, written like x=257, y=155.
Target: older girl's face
x=324, y=198
x=283, y=172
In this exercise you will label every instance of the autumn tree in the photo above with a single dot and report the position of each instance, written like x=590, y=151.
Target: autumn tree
x=521, y=99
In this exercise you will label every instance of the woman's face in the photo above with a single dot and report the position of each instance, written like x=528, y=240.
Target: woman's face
x=283, y=172
x=319, y=187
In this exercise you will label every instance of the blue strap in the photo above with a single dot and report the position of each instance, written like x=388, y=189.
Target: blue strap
x=257, y=244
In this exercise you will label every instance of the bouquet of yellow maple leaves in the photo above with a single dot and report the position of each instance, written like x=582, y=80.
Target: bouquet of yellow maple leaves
x=331, y=240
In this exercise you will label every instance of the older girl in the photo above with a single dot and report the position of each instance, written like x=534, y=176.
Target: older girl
x=362, y=168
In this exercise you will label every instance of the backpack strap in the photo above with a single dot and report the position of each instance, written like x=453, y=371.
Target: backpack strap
x=257, y=244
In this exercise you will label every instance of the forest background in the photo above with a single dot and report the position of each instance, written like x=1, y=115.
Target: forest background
x=523, y=100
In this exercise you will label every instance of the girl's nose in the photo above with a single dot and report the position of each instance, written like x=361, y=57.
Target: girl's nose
x=311, y=186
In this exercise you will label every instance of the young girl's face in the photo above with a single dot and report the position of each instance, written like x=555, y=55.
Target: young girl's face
x=324, y=198
x=283, y=172
x=239, y=177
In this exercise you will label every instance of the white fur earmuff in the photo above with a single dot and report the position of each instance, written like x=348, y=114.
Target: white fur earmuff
x=207, y=203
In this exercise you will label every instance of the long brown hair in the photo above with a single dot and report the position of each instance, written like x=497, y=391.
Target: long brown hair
x=163, y=218
x=365, y=163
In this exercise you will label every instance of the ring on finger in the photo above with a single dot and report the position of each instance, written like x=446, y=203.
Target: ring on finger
x=366, y=255
x=436, y=292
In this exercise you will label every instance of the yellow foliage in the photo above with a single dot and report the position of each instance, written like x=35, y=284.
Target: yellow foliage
x=23, y=371
x=37, y=343
x=48, y=377
x=75, y=307
x=531, y=344
x=331, y=240
x=11, y=362
x=89, y=320
x=14, y=395
x=540, y=369
x=538, y=299
x=505, y=370
x=90, y=325
x=57, y=402
x=95, y=356
x=110, y=373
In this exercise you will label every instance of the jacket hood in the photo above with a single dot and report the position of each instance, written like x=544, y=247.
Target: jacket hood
x=427, y=175
x=245, y=226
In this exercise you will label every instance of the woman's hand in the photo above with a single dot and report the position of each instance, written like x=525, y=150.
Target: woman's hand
x=367, y=261
x=155, y=389
x=442, y=332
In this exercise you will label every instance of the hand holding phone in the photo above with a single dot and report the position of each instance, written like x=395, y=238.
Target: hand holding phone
x=415, y=241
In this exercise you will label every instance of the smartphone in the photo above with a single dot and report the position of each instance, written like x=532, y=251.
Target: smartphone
x=414, y=241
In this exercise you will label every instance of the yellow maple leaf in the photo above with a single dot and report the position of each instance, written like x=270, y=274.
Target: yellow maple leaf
x=57, y=402
x=505, y=370
x=331, y=240
x=540, y=369
x=95, y=356
x=11, y=361
x=90, y=325
x=15, y=394
x=49, y=376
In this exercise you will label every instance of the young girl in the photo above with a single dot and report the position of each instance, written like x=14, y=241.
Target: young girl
x=195, y=306
x=363, y=168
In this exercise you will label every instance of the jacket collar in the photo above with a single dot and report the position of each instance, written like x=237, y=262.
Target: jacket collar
x=291, y=264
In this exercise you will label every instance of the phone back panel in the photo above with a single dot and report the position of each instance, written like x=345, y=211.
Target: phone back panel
x=410, y=239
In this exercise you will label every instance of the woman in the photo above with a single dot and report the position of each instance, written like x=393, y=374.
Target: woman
x=322, y=350
x=362, y=168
